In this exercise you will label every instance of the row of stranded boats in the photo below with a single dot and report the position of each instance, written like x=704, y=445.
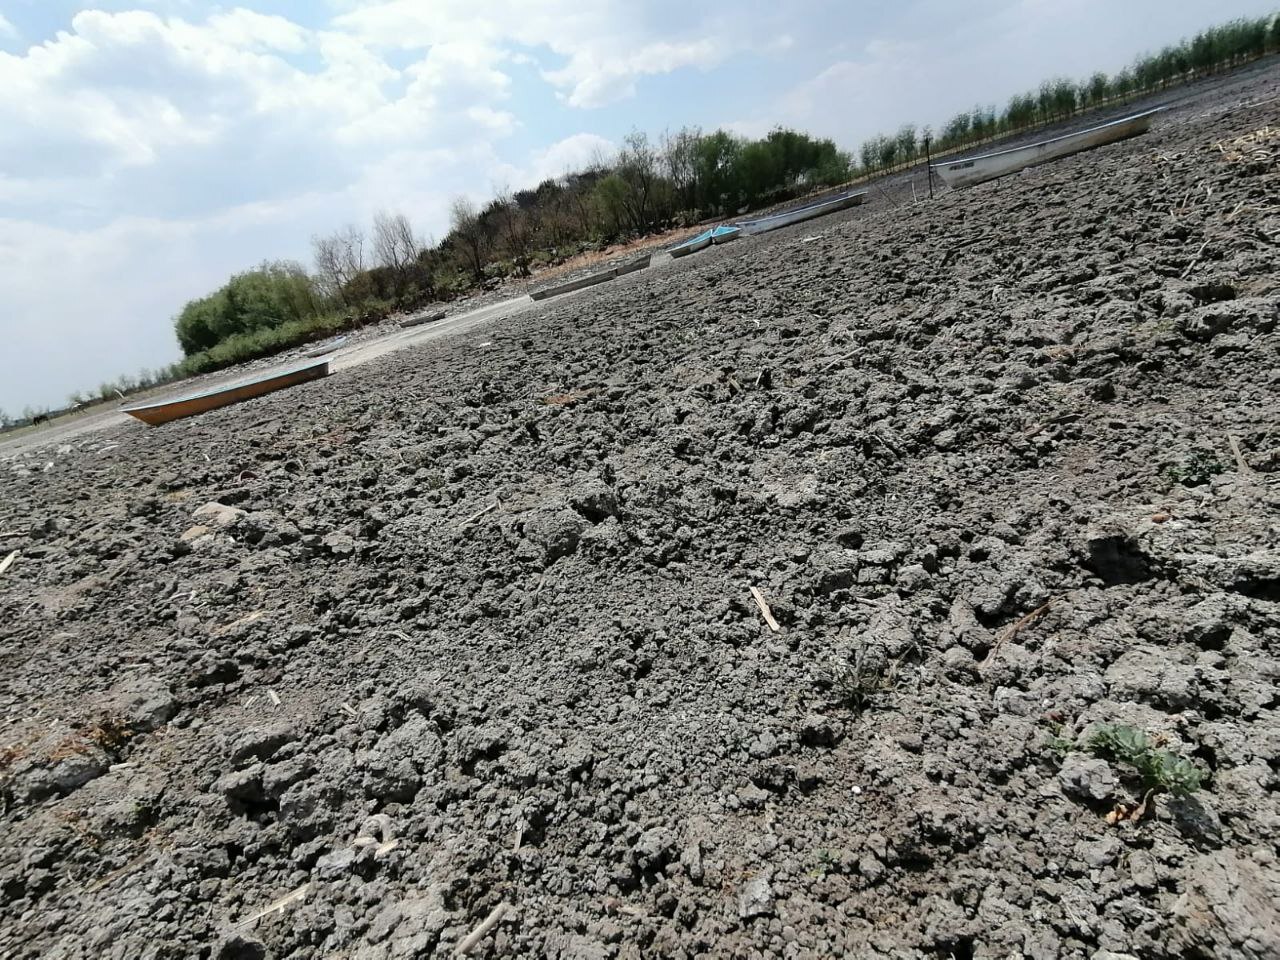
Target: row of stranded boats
x=965, y=172
x=958, y=173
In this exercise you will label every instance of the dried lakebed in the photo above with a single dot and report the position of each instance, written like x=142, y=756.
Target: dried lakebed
x=343, y=671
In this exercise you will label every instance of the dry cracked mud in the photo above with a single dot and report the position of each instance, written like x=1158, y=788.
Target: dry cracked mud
x=339, y=671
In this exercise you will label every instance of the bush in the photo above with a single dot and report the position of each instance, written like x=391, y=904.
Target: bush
x=274, y=294
x=1159, y=770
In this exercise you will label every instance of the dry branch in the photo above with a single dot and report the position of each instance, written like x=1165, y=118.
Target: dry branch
x=475, y=936
x=764, y=609
x=1017, y=627
x=1241, y=462
x=277, y=906
x=476, y=516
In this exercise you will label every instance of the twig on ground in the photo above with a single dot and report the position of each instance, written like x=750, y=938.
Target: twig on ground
x=476, y=516
x=242, y=622
x=1194, y=260
x=7, y=562
x=1017, y=627
x=475, y=936
x=764, y=609
x=1241, y=462
x=278, y=906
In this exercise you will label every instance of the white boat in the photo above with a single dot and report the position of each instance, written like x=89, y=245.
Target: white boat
x=800, y=214
x=324, y=348
x=989, y=166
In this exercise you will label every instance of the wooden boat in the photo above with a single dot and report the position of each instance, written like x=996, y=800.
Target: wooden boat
x=227, y=394
x=590, y=280
x=800, y=214
x=420, y=319
x=631, y=266
x=988, y=166
x=725, y=232
x=692, y=245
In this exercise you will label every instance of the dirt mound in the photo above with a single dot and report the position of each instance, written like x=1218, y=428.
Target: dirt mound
x=469, y=633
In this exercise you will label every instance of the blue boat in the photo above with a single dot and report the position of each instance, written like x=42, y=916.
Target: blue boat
x=693, y=244
x=725, y=232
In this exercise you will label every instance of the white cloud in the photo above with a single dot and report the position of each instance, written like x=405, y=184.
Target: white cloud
x=565, y=156
x=605, y=45
x=151, y=147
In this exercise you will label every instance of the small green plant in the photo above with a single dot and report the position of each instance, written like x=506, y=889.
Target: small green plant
x=1057, y=743
x=825, y=862
x=864, y=677
x=1198, y=468
x=1159, y=769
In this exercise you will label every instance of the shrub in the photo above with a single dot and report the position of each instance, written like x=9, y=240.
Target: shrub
x=1200, y=466
x=1160, y=770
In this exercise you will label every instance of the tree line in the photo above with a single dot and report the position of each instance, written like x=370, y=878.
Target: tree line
x=646, y=187
x=679, y=179
x=1214, y=50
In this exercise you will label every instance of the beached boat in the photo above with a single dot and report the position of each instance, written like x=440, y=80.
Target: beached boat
x=631, y=266
x=324, y=348
x=228, y=393
x=590, y=280
x=692, y=245
x=988, y=166
x=421, y=318
x=725, y=232
x=786, y=218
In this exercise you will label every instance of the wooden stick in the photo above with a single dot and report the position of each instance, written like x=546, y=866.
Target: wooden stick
x=476, y=516
x=1014, y=630
x=475, y=936
x=1241, y=462
x=764, y=609
x=278, y=906
x=1194, y=260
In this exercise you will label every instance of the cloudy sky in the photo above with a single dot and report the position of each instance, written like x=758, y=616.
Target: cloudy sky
x=150, y=148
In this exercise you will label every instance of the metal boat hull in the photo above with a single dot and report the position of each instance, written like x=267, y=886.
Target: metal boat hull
x=588, y=281
x=422, y=318
x=990, y=166
x=800, y=214
x=631, y=266
x=192, y=404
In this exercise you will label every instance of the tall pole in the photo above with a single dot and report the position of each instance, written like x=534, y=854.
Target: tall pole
x=928, y=165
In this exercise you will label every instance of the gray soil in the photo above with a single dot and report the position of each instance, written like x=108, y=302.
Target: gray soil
x=340, y=671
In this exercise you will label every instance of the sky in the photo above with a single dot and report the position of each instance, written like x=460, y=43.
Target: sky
x=151, y=148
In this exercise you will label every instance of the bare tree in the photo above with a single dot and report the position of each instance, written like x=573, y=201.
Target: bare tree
x=515, y=229
x=680, y=158
x=394, y=244
x=471, y=233
x=638, y=169
x=339, y=259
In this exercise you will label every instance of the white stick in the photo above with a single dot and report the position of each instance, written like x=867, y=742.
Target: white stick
x=475, y=936
x=1232, y=439
x=764, y=609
